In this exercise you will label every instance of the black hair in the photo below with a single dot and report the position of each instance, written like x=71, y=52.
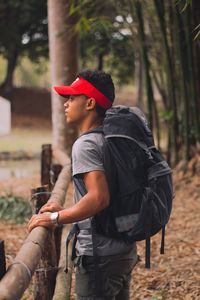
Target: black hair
x=103, y=82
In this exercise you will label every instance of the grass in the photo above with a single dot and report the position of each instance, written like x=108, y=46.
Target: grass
x=25, y=139
x=14, y=209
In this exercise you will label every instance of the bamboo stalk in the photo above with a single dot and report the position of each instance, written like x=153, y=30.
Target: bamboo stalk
x=193, y=103
x=184, y=74
x=144, y=52
x=19, y=273
x=55, y=171
x=59, y=191
x=63, y=280
x=61, y=157
x=159, y=6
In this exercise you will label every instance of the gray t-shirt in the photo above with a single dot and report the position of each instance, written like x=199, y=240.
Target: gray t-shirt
x=87, y=156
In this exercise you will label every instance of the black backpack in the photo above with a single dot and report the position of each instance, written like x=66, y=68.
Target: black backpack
x=139, y=179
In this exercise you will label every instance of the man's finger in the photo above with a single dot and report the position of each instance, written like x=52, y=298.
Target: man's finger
x=31, y=220
x=31, y=226
x=44, y=207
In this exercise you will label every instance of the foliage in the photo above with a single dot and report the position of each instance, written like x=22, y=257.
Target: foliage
x=185, y=5
x=105, y=42
x=23, y=25
x=23, y=31
x=167, y=42
x=15, y=209
x=154, y=37
x=197, y=32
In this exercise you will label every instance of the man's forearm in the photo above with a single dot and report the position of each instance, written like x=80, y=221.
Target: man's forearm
x=87, y=207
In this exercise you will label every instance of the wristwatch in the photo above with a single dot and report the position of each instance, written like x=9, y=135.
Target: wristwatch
x=54, y=217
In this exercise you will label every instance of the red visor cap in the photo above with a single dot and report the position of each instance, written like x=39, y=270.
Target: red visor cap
x=81, y=86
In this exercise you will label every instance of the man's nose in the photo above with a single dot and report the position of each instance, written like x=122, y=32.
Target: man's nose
x=66, y=103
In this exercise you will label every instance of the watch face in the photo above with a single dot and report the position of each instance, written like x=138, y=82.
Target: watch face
x=54, y=217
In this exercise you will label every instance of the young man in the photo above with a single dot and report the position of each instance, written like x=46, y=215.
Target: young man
x=87, y=100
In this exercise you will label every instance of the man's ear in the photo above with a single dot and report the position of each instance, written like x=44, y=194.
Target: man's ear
x=91, y=102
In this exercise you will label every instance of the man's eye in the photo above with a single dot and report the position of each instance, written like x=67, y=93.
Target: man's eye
x=71, y=98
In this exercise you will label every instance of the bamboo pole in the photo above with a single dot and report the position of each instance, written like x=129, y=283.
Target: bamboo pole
x=55, y=171
x=61, y=157
x=137, y=7
x=45, y=274
x=63, y=280
x=180, y=34
x=159, y=7
x=18, y=275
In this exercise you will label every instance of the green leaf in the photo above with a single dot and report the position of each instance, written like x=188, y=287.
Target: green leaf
x=13, y=208
x=166, y=115
x=197, y=28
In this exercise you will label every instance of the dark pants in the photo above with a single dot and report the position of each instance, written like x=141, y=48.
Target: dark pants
x=114, y=281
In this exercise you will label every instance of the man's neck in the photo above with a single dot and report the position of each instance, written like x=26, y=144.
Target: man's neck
x=91, y=124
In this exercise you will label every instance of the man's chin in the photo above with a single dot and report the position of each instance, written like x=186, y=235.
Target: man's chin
x=70, y=122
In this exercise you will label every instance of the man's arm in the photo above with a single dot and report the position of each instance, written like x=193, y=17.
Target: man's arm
x=96, y=199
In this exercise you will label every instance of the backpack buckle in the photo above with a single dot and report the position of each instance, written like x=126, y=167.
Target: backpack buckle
x=149, y=154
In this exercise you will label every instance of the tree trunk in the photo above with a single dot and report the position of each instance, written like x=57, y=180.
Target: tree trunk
x=192, y=82
x=184, y=81
x=170, y=78
x=100, y=61
x=196, y=21
x=160, y=88
x=7, y=85
x=139, y=82
x=63, y=46
x=144, y=51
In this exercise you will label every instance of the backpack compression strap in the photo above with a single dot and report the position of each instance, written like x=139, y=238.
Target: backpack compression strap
x=142, y=145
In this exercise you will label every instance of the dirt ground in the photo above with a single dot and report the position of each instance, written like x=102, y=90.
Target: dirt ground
x=175, y=275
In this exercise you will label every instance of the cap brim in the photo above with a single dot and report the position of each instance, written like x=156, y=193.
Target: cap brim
x=65, y=90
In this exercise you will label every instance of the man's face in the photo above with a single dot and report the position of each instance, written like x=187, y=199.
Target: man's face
x=75, y=109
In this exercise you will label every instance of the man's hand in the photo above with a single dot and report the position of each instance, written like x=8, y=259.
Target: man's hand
x=50, y=207
x=40, y=220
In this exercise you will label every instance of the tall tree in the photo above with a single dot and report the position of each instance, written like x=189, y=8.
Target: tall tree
x=23, y=31
x=104, y=39
x=63, y=46
x=144, y=51
x=173, y=134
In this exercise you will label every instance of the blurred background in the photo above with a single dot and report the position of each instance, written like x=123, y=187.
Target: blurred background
x=151, y=48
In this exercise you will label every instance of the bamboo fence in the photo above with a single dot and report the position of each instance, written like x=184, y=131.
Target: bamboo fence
x=33, y=256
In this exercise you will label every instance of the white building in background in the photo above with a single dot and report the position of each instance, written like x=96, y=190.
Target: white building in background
x=5, y=116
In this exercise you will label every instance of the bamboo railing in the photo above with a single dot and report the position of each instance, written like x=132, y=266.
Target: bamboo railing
x=19, y=274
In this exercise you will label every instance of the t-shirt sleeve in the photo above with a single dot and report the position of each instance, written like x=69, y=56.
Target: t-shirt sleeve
x=86, y=157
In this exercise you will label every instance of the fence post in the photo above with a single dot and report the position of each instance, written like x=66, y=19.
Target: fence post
x=45, y=274
x=46, y=160
x=54, y=173
x=2, y=260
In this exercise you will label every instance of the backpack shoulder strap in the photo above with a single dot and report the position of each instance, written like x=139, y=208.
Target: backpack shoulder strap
x=94, y=130
x=80, y=185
